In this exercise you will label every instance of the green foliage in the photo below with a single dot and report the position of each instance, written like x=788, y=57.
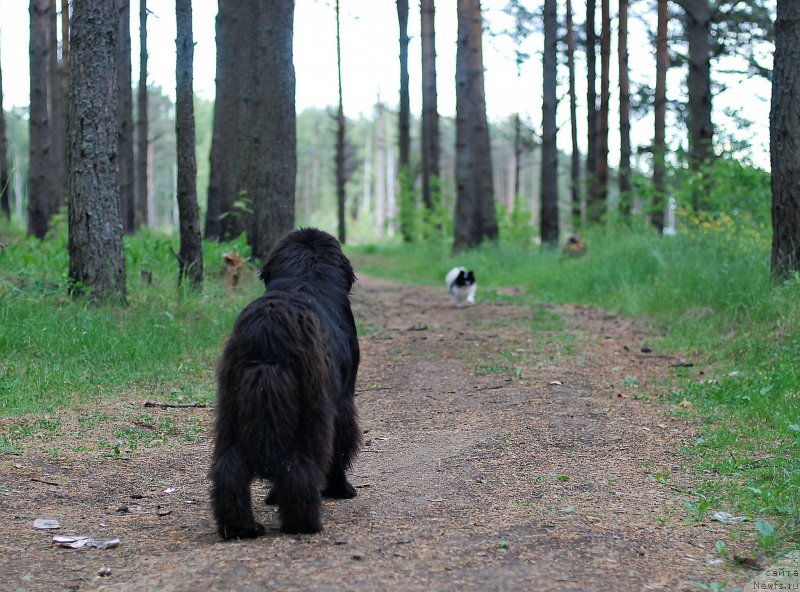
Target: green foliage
x=728, y=187
x=407, y=202
x=514, y=226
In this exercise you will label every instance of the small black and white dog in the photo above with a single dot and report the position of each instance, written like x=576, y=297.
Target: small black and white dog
x=286, y=386
x=461, y=285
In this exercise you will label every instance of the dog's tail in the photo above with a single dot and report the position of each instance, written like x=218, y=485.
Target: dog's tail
x=275, y=406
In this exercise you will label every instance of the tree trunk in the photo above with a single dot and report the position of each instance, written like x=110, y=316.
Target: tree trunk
x=64, y=87
x=5, y=205
x=340, y=136
x=785, y=142
x=140, y=213
x=430, y=115
x=57, y=115
x=474, y=214
x=407, y=200
x=190, y=256
x=591, y=106
x=599, y=203
x=40, y=187
x=548, y=219
x=269, y=140
x=701, y=130
x=625, y=196
x=575, y=170
x=517, y=158
x=125, y=117
x=96, y=257
x=660, y=111
x=224, y=218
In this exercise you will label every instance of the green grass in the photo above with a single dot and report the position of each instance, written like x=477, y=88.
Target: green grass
x=708, y=292
x=55, y=350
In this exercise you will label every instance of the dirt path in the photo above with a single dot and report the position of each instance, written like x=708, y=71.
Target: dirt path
x=506, y=450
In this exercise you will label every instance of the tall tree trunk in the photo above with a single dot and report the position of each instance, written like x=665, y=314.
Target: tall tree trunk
x=591, y=107
x=96, y=257
x=575, y=169
x=430, y=114
x=269, y=141
x=140, y=213
x=380, y=170
x=224, y=218
x=404, y=131
x=599, y=203
x=660, y=109
x=548, y=220
x=701, y=130
x=64, y=87
x=40, y=186
x=5, y=205
x=190, y=256
x=625, y=196
x=125, y=117
x=219, y=176
x=340, y=137
x=57, y=117
x=517, y=158
x=474, y=214
x=785, y=142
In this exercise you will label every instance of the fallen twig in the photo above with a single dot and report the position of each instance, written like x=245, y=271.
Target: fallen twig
x=175, y=405
x=45, y=482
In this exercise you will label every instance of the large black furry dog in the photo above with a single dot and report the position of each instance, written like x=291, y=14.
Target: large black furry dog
x=286, y=383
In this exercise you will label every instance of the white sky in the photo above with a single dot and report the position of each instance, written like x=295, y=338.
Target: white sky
x=370, y=63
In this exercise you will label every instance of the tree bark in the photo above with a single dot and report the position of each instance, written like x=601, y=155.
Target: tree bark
x=269, y=140
x=140, y=213
x=591, y=105
x=224, y=219
x=96, y=258
x=599, y=202
x=548, y=220
x=5, y=205
x=340, y=138
x=190, y=256
x=57, y=115
x=625, y=196
x=41, y=198
x=474, y=215
x=785, y=142
x=125, y=117
x=64, y=88
x=575, y=169
x=430, y=114
x=660, y=112
x=404, y=130
x=701, y=130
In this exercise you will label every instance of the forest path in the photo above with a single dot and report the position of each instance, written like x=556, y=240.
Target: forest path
x=505, y=449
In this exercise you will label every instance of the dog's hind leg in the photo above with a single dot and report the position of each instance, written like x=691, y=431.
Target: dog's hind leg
x=296, y=491
x=346, y=441
x=230, y=496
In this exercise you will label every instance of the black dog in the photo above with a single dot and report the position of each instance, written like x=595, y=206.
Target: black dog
x=286, y=386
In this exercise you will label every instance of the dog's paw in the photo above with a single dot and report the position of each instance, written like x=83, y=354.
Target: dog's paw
x=340, y=491
x=249, y=531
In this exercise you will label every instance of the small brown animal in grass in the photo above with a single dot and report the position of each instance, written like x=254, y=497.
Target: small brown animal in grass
x=574, y=247
x=233, y=269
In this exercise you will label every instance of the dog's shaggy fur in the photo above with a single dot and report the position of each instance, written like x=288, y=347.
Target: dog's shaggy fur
x=286, y=387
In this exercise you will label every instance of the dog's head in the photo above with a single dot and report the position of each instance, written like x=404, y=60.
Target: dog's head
x=309, y=252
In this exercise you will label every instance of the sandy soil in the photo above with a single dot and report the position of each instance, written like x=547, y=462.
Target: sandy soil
x=507, y=448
